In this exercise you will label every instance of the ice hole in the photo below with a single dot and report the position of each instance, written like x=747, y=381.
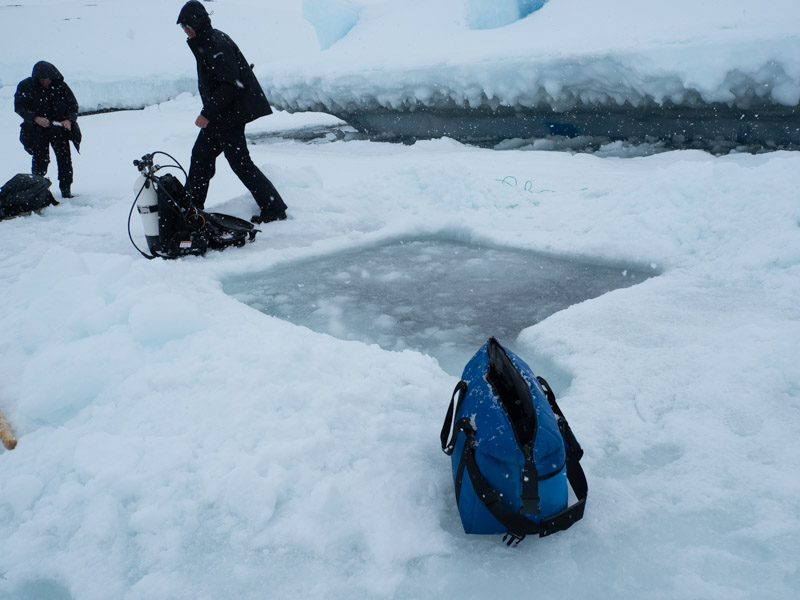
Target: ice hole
x=439, y=297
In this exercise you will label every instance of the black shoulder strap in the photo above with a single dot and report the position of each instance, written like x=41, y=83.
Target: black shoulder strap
x=571, y=444
x=517, y=524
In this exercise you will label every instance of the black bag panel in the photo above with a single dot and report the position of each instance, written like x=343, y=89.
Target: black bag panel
x=514, y=394
x=171, y=212
x=171, y=189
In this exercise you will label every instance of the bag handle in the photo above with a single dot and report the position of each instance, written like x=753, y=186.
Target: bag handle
x=447, y=427
x=570, y=442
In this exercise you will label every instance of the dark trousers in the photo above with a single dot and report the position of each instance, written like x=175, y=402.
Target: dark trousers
x=208, y=146
x=39, y=148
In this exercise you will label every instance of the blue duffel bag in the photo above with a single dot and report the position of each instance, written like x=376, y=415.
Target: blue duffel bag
x=513, y=453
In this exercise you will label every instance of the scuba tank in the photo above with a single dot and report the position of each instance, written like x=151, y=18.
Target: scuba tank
x=147, y=205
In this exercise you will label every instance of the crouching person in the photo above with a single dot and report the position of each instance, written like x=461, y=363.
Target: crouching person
x=49, y=114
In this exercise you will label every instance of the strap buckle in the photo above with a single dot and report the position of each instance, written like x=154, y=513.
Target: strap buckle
x=512, y=539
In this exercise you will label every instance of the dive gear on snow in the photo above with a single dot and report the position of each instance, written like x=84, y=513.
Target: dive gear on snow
x=172, y=227
x=511, y=440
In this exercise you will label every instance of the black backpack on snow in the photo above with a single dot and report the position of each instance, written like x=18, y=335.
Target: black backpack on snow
x=25, y=193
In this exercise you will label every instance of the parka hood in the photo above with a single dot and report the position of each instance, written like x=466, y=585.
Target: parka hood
x=46, y=70
x=194, y=15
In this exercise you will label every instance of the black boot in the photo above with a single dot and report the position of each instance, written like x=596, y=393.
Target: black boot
x=65, y=192
x=267, y=216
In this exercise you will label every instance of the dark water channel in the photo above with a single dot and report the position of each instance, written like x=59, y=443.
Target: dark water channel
x=440, y=297
x=715, y=128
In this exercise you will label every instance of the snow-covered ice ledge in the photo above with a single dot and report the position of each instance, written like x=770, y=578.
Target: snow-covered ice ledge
x=609, y=96
x=559, y=85
x=431, y=70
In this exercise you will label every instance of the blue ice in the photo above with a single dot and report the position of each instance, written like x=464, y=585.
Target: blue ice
x=331, y=19
x=488, y=14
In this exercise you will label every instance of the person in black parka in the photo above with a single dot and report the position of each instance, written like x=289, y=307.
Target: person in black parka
x=49, y=114
x=232, y=97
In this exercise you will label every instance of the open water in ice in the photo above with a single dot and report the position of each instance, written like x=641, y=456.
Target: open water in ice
x=439, y=297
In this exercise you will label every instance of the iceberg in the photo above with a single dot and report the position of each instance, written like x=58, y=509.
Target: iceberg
x=331, y=19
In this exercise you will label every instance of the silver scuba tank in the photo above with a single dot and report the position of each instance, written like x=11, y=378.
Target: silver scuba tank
x=147, y=205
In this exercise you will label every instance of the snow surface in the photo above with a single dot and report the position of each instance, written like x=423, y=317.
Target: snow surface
x=175, y=443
